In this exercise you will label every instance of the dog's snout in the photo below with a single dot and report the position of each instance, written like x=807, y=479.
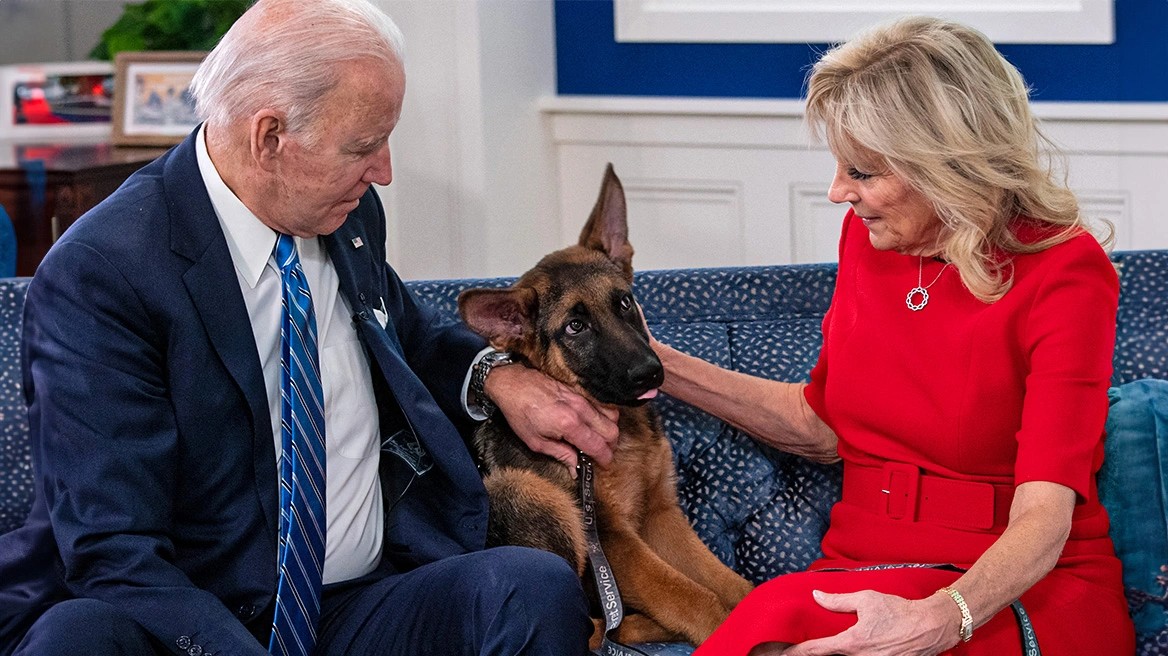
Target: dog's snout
x=646, y=373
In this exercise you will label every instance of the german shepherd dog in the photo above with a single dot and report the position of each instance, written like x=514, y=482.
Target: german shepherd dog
x=574, y=318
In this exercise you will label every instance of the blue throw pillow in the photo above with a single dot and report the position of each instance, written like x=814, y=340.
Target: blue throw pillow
x=1133, y=486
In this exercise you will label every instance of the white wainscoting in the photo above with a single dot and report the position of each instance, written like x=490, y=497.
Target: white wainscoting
x=713, y=182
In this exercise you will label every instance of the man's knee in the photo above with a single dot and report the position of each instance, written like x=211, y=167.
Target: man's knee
x=85, y=626
x=535, y=575
x=542, y=608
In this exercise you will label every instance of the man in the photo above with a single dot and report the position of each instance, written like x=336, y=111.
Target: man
x=175, y=393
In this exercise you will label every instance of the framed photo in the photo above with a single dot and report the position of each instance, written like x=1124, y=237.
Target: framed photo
x=153, y=105
x=54, y=102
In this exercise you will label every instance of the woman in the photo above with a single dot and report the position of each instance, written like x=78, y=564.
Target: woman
x=962, y=380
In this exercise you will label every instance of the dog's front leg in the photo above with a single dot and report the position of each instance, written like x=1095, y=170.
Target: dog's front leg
x=668, y=533
x=654, y=588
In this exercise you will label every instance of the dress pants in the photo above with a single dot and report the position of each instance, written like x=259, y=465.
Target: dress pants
x=504, y=601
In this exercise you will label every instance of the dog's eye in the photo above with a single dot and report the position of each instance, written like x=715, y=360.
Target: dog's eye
x=626, y=302
x=575, y=327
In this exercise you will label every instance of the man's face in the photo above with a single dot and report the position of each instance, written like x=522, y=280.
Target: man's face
x=320, y=182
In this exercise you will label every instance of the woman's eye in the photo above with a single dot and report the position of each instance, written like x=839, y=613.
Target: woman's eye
x=575, y=327
x=857, y=174
x=626, y=302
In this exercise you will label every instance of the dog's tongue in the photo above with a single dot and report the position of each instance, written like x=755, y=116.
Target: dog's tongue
x=651, y=394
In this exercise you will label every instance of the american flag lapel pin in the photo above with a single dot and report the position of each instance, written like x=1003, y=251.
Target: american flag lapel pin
x=357, y=243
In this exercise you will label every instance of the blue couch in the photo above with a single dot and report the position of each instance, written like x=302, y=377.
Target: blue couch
x=764, y=512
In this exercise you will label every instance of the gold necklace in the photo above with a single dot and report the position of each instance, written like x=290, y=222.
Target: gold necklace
x=921, y=291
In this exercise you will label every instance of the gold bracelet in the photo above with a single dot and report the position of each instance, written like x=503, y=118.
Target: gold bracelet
x=966, y=619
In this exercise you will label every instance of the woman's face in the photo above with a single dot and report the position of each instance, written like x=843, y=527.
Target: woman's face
x=898, y=217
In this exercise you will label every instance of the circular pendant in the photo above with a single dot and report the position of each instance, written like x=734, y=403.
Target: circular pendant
x=917, y=306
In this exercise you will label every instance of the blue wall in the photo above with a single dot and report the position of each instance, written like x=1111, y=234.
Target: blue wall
x=590, y=62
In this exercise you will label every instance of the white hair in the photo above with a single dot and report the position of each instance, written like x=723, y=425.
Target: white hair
x=283, y=54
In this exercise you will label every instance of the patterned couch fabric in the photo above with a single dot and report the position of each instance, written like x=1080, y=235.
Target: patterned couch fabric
x=1141, y=340
x=762, y=512
x=15, y=450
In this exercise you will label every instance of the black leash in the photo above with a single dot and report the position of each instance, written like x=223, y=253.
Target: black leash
x=610, y=599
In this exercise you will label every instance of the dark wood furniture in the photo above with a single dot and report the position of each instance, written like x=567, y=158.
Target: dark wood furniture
x=46, y=187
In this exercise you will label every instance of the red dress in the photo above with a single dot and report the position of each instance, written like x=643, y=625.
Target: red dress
x=961, y=392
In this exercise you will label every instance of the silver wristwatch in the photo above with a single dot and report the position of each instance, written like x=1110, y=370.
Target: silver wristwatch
x=478, y=379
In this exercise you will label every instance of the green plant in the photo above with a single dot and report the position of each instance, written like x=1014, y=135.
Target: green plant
x=169, y=25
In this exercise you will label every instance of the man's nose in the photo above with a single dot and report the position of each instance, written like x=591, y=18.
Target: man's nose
x=380, y=169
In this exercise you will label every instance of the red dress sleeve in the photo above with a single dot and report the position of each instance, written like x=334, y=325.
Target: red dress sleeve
x=1069, y=337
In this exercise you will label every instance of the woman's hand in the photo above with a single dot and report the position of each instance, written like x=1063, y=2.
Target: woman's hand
x=887, y=625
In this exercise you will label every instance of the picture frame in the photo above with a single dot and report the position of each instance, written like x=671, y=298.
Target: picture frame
x=152, y=101
x=56, y=101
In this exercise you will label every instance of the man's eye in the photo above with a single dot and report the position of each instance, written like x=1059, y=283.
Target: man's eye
x=575, y=327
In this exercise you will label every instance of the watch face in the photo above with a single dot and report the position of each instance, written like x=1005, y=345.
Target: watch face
x=497, y=358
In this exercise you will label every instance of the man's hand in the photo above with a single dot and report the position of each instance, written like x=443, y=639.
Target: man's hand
x=550, y=417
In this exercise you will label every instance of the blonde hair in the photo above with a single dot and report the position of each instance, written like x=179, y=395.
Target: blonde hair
x=284, y=54
x=951, y=117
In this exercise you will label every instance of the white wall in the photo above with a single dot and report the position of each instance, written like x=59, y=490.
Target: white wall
x=38, y=31
x=474, y=190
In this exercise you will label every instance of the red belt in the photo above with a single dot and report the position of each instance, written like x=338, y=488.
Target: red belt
x=900, y=491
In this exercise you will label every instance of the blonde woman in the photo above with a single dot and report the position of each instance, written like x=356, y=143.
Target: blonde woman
x=962, y=380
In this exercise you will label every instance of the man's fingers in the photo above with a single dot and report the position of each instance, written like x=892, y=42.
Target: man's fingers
x=588, y=441
x=610, y=412
x=603, y=422
x=590, y=428
x=563, y=452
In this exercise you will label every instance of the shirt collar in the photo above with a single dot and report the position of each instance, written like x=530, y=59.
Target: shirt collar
x=249, y=241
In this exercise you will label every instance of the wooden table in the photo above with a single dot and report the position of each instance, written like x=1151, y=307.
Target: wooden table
x=46, y=187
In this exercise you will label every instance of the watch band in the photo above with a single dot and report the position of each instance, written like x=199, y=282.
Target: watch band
x=966, y=619
x=478, y=380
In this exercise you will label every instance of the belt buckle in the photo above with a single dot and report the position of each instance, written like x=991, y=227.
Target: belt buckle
x=901, y=490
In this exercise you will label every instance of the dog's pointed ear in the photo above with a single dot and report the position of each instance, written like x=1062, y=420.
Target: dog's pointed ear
x=607, y=229
x=504, y=316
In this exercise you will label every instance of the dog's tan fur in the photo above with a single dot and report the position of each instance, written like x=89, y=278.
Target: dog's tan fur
x=670, y=582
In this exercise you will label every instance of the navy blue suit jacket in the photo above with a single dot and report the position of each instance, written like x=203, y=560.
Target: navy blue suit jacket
x=156, y=469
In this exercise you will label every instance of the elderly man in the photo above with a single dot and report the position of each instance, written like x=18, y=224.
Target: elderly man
x=246, y=431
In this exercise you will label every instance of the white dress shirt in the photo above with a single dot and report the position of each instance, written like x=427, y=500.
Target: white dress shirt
x=353, y=503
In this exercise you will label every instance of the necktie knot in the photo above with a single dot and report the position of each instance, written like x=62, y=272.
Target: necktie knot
x=285, y=253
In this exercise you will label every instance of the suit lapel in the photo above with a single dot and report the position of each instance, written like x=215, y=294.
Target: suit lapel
x=196, y=235
x=361, y=272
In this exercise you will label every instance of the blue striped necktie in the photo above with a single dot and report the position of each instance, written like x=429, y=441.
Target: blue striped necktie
x=302, y=465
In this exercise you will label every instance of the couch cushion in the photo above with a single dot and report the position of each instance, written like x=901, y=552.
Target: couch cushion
x=15, y=453
x=1141, y=339
x=1133, y=485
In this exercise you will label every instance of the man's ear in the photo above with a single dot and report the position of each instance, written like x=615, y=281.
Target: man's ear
x=506, y=317
x=267, y=137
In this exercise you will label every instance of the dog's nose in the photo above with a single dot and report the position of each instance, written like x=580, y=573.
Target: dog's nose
x=646, y=374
